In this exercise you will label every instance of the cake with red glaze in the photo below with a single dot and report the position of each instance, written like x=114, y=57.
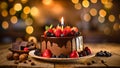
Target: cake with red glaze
x=61, y=41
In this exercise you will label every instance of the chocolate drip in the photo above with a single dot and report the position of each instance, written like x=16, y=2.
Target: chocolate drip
x=61, y=41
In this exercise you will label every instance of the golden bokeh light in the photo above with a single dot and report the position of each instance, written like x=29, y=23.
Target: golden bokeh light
x=24, y=1
x=102, y=13
x=85, y=3
x=104, y=1
x=101, y=19
x=14, y=19
x=93, y=1
x=5, y=25
x=116, y=26
x=32, y=38
x=24, y=16
x=93, y=11
x=34, y=11
x=107, y=30
x=111, y=18
x=78, y=6
x=26, y=10
x=3, y=5
x=75, y=1
x=29, y=21
x=47, y=2
x=87, y=17
x=4, y=13
x=108, y=5
x=18, y=7
x=29, y=29
x=12, y=11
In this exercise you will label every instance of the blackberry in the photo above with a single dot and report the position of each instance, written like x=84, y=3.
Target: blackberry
x=61, y=56
x=53, y=56
x=37, y=52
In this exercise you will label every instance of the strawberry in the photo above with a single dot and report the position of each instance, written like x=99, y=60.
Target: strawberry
x=26, y=49
x=57, y=32
x=67, y=30
x=74, y=54
x=47, y=53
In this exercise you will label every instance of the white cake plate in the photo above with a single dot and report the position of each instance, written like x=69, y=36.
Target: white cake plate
x=31, y=53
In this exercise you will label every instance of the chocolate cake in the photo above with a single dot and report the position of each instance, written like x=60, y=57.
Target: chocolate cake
x=61, y=45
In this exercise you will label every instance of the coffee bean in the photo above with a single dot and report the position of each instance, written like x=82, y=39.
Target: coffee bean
x=32, y=63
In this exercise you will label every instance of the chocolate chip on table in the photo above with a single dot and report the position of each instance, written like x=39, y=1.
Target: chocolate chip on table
x=29, y=60
x=102, y=61
x=32, y=63
x=93, y=61
x=24, y=62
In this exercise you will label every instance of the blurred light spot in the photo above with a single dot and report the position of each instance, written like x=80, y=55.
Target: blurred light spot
x=24, y=1
x=4, y=13
x=5, y=25
x=85, y=3
x=34, y=11
x=107, y=30
x=4, y=5
x=78, y=6
x=101, y=19
x=29, y=29
x=93, y=1
x=111, y=18
x=26, y=10
x=108, y=5
x=104, y=1
x=47, y=2
x=12, y=11
x=29, y=21
x=17, y=7
x=75, y=1
x=116, y=26
x=14, y=19
x=24, y=16
x=32, y=38
x=102, y=13
x=10, y=0
x=87, y=17
x=57, y=9
x=93, y=11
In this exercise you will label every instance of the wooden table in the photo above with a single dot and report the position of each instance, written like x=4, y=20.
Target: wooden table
x=113, y=61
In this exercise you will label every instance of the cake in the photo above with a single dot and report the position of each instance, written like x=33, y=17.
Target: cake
x=61, y=41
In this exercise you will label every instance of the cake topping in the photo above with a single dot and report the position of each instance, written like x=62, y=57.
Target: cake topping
x=58, y=31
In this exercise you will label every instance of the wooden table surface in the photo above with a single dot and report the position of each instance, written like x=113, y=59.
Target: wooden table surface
x=113, y=61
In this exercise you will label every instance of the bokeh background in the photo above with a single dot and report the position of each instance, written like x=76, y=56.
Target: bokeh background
x=97, y=20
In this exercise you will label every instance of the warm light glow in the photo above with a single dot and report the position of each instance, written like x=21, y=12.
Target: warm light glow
x=5, y=25
x=77, y=6
x=116, y=26
x=93, y=1
x=29, y=21
x=102, y=13
x=85, y=3
x=4, y=13
x=101, y=19
x=12, y=11
x=24, y=16
x=57, y=9
x=47, y=2
x=14, y=19
x=17, y=7
x=104, y=1
x=107, y=30
x=4, y=5
x=29, y=29
x=111, y=18
x=32, y=38
x=108, y=5
x=26, y=10
x=62, y=21
x=75, y=1
x=24, y=1
x=87, y=17
x=34, y=11
x=93, y=11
